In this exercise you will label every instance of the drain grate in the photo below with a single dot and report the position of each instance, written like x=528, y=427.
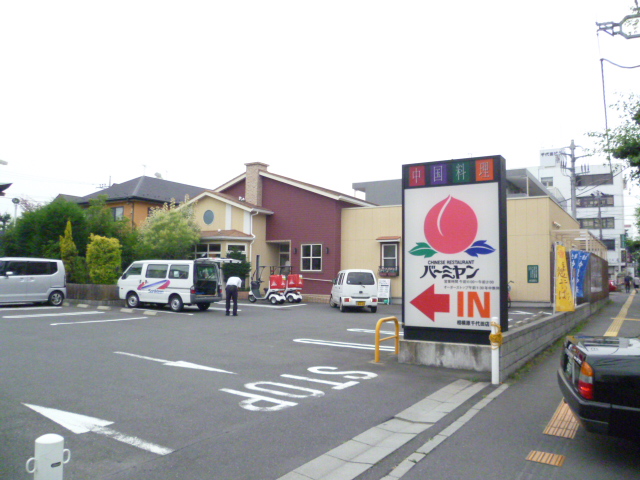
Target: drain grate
x=563, y=423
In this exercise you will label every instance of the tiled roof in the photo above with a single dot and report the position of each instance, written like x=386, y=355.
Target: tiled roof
x=146, y=188
x=299, y=184
x=225, y=234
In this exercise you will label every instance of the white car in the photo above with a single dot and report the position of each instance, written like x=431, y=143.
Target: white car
x=355, y=288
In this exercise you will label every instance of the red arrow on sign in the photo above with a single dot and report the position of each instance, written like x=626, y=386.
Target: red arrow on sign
x=429, y=302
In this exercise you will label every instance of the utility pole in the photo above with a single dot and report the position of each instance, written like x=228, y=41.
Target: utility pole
x=573, y=176
x=572, y=171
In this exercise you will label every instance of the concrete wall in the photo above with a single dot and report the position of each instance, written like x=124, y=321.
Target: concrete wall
x=519, y=345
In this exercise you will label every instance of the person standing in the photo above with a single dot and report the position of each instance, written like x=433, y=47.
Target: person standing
x=627, y=283
x=231, y=289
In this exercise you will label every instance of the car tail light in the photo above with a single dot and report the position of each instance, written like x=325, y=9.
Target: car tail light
x=346, y=300
x=192, y=290
x=585, y=381
x=374, y=300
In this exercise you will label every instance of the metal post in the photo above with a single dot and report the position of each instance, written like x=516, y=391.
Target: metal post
x=496, y=340
x=50, y=456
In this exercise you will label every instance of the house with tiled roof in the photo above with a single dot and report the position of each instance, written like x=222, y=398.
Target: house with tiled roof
x=135, y=198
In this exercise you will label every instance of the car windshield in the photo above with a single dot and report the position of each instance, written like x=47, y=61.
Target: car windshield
x=361, y=278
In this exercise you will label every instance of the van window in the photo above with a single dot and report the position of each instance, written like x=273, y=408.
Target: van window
x=134, y=269
x=17, y=268
x=179, y=271
x=360, y=278
x=157, y=270
x=42, y=268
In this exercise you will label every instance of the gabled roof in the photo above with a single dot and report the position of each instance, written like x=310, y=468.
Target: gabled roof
x=225, y=235
x=305, y=186
x=146, y=188
x=230, y=199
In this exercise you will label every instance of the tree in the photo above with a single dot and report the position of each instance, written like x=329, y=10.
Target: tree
x=623, y=141
x=169, y=232
x=100, y=221
x=68, y=250
x=241, y=269
x=37, y=233
x=5, y=220
x=104, y=260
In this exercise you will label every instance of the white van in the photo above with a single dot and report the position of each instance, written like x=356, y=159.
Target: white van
x=355, y=288
x=26, y=280
x=173, y=282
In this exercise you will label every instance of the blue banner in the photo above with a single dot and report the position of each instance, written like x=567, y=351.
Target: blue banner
x=579, y=263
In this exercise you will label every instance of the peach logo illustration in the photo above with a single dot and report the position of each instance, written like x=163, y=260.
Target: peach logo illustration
x=451, y=227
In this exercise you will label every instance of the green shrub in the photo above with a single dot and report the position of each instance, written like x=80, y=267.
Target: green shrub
x=104, y=260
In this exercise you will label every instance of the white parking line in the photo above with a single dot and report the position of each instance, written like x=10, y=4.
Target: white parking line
x=364, y=330
x=52, y=315
x=100, y=321
x=329, y=343
x=22, y=309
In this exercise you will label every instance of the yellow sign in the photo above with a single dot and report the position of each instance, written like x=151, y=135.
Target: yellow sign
x=564, y=295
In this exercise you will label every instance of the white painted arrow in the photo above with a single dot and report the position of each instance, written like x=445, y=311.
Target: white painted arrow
x=82, y=424
x=179, y=363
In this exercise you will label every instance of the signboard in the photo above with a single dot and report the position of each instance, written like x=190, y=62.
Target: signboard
x=384, y=291
x=455, y=259
x=551, y=157
x=533, y=275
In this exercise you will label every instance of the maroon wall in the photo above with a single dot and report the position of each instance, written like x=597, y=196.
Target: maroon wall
x=303, y=217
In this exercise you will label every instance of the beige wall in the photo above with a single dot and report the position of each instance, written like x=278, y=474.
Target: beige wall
x=530, y=237
x=360, y=229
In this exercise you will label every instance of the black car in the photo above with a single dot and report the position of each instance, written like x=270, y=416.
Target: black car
x=600, y=380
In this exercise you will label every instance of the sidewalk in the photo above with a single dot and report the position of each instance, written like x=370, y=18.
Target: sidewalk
x=472, y=430
x=497, y=443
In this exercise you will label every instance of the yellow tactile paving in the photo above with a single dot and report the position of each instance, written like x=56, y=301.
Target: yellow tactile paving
x=563, y=423
x=615, y=327
x=546, y=458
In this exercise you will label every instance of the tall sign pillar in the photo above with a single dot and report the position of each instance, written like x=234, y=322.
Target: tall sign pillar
x=455, y=249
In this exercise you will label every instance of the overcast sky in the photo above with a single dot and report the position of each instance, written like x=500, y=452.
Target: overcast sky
x=327, y=92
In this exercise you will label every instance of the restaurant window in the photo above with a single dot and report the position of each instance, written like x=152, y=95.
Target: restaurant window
x=311, y=257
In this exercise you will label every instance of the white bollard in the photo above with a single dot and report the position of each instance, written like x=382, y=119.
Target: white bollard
x=50, y=456
x=495, y=340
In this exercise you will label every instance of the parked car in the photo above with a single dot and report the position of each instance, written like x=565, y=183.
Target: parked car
x=600, y=380
x=173, y=282
x=354, y=288
x=37, y=280
x=612, y=286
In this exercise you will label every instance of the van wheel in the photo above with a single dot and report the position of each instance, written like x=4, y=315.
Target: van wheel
x=332, y=304
x=373, y=309
x=342, y=307
x=175, y=303
x=203, y=306
x=132, y=300
x=56, y=298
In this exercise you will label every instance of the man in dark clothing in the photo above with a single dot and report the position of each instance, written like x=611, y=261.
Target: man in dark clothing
x=627, y=283
x=233, y=283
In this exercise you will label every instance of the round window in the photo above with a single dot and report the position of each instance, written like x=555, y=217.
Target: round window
x=208, y=217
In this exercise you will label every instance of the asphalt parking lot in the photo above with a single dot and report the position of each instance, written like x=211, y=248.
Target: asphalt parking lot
x=152, y=394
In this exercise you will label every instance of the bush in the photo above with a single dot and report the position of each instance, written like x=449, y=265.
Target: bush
x=104, y=260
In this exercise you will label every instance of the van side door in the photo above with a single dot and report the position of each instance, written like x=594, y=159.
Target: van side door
x=13, y=281
x=154, y=283
x=39, y=280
